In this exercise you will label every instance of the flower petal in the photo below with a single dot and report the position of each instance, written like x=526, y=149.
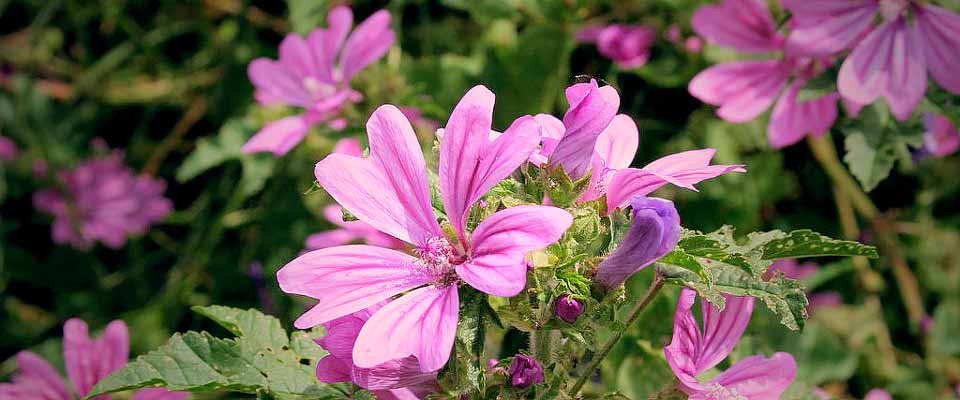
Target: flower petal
x=941, y=137
x=760, y=378
x=745, y=25
x=654, y=232
x=278, y=137
x=722, y=329
x=370, y=41
x=36, y=379
x=591, y=110
x=389, y=190
x=682, y=351
x=276, y=83
x=939, y=31
x=792, y=120
x=422, y=323
x=822, y=28
x=331, y=369
x=496, y=264
x=742, y=89
x=90, y=360
x=346, y=279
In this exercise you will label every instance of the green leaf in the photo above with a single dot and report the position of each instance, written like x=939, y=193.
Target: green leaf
x=807, y=243
x=869, y=162
x=226, y=146
x=644, y=373
x=943, y=336
x=306, y=15
x=815, y=88
x=261, y=359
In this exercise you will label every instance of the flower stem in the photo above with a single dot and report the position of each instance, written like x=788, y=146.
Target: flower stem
x=631, y=318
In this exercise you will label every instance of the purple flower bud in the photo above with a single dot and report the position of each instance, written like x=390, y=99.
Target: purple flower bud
x=8, y=149
x=525, y=371
x=568, y=308
x=654, y=233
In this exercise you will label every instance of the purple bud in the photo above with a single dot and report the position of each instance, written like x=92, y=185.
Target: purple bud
x=8, y=149
x=525, y=371
x=568, y=308
x=654, y=233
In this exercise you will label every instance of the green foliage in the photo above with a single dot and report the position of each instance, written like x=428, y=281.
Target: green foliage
x=260, y=359
x=226, y=146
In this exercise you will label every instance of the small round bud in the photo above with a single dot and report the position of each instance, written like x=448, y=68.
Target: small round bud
x=568, y=309
x=525, y=371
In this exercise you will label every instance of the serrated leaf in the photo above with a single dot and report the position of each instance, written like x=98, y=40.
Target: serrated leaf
x=869, y=162
x=807, y=243
x=261, y=359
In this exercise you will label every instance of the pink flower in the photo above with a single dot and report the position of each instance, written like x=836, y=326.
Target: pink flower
x=390, y=191
x=314, y=73
x=587, y=140
x=87, y=361
x=890, y=60
x=941, y=137
x=693, y=351
x=627, y=45
x=415, y=116
x=400, y=379
x=745, y=89
x=103, y=200
x=349, y=231
x=878, y=394
x=8, y=149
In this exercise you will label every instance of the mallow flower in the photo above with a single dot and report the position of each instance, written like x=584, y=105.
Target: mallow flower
x=396, y=379
x=525, y=371
x=878, y=394
x=102, y=200
x=87, y=361
x=593, y=138
x=889, y=60
x=390, y=191
x=694, y=350
x=654, y=232
x=314, y=73
x=8, y=149
x=940, y=137
x=349, y=231
x=745, y=89
x=627, y=45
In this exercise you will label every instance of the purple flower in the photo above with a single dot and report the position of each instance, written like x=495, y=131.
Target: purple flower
x=525, y=371
x=389, y=190
x=878, y=394
x=654, y=232
x=8, y=149
x=314, y=73
x=889, y=60
x=693, y=351
x=941, y=137
x=627, y=45
x=103, y=200
x=745, y=89
x=400, y=379
x=87, y=361
x=568, y=308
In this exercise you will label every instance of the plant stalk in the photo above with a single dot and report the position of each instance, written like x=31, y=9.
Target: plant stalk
x=631, y=318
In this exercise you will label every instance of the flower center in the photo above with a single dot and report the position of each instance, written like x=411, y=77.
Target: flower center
x=440, y=258
x=892, y=9
x=317, y=89
x=719, y=392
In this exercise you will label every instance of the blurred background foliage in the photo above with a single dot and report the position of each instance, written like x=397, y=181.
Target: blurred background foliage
x=166, y=81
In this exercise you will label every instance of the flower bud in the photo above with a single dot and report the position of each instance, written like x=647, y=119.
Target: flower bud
x=525, y=371
x=568, y=309
x=655, y=232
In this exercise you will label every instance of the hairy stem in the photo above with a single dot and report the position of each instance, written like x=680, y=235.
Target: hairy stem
x=631, y=318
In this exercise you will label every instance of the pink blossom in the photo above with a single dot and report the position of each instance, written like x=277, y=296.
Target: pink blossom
x=8, y=149
x=693, y=351
x=102, y=200
x=889, y=60
x=400, y=379
x=745, y=89
x=627, y=45
x=878, y=394
x=614, y=144
x=314, y=73
x=693, y=44
x=87, y=361
x=390, y=191
x=941, y=137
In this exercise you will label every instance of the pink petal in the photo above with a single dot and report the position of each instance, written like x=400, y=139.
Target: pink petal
x=760, y=378
x=618, y=143
x=887, y=62
x=941, y=137
x=471, y=164
x=496, y=264
x=297, y=57
x=818, y=32
x=393, y=374
x=347, y=279
x=591, y=110
x=422, y=323
x=389, y=190
x=722, y=329
x=683, y=169
x=939, y=31
x=370, y=41
x=276, y=83
x=682, y=351
x=348, y=146
x=878, y=394
x=339, y=22
x=745, y=25
x=551, y=130
x=90, y=360
x=278, y=137
x=791, y=121
x=37, y=379
x=742, y=89
x=331, y=369
x=159, y=394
